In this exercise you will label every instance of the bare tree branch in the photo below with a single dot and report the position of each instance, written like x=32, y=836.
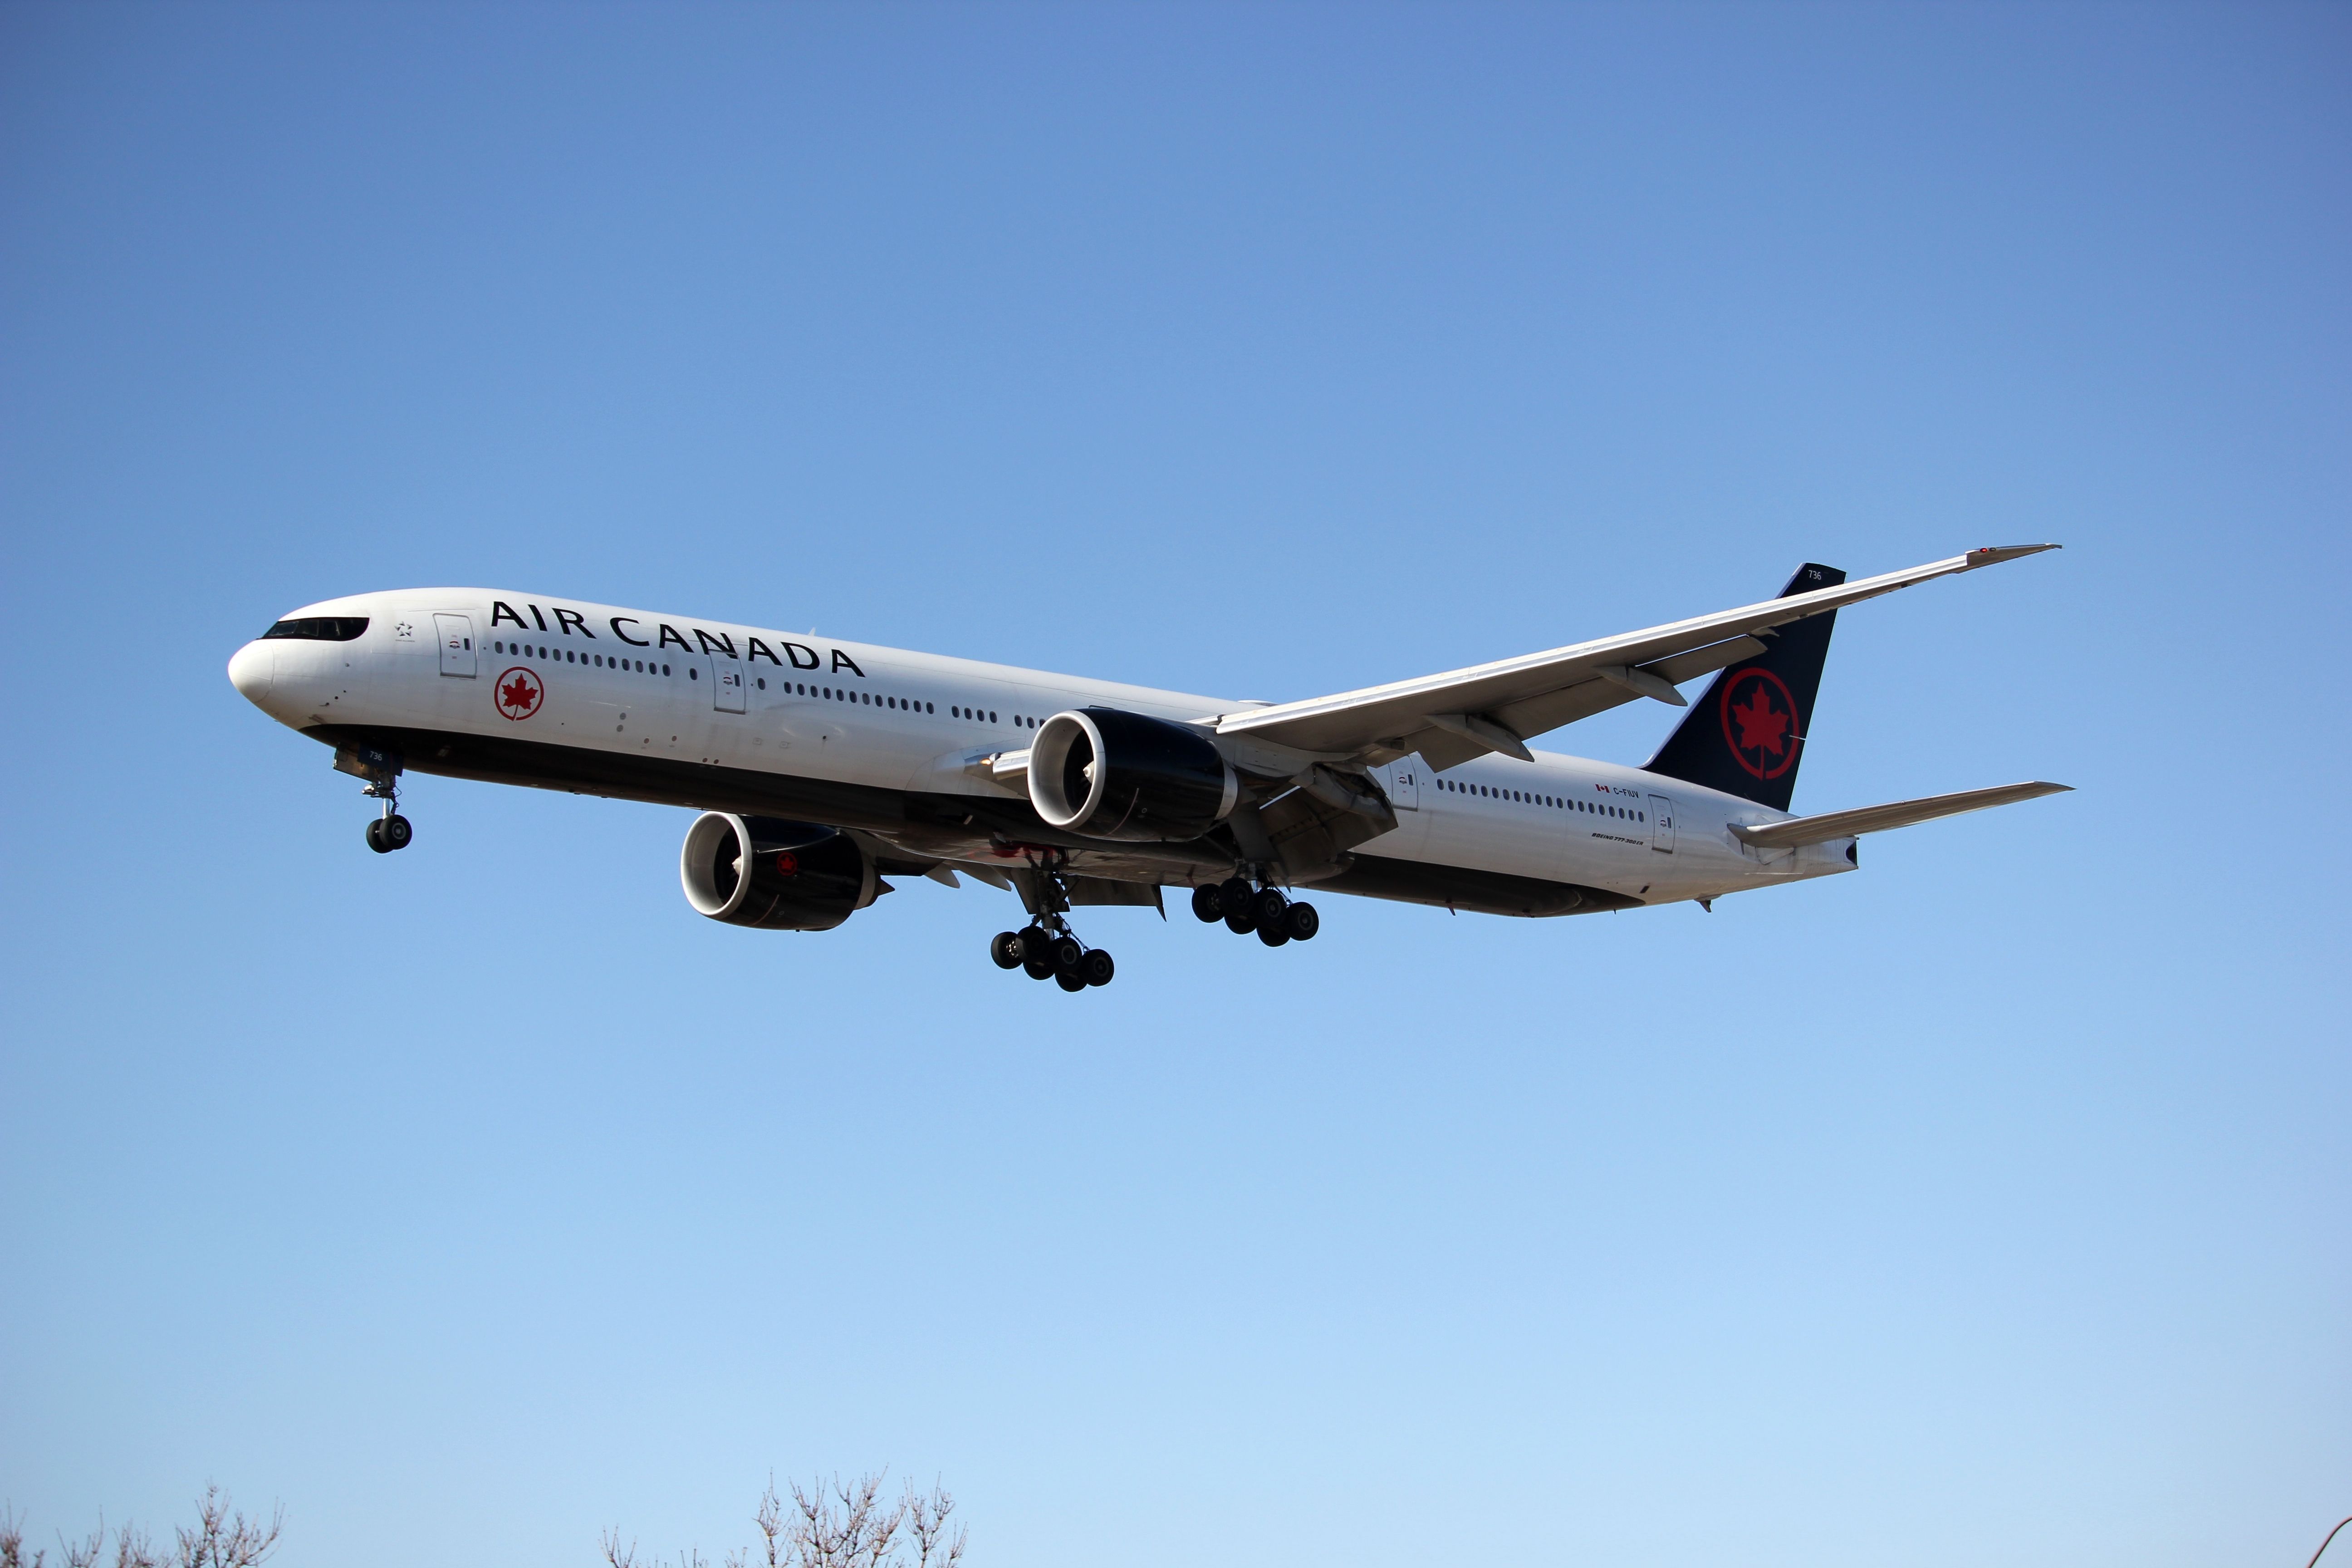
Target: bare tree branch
x=133, y=1550
x=12, y=1541
x=832, y=1524
x=85, y=1554
x=225, y=1537
x=927, y=1517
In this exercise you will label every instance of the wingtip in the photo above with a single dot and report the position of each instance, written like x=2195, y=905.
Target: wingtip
x=1994, y=554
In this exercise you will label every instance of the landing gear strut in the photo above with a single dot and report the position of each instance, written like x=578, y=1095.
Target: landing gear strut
x=1046, y=948
x=1246, y=907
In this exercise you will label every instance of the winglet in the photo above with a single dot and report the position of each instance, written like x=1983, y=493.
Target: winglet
x=1994, y=554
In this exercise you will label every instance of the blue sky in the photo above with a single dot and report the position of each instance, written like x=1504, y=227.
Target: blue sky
x=1989, y=1205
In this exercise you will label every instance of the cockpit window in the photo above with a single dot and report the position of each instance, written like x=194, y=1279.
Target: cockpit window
x=320, y=628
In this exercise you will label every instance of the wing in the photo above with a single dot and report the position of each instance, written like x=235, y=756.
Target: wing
x=1464, y=713
x=1802, y=830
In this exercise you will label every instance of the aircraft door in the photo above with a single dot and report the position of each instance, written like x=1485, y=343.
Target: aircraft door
x=726, y=687
x=1404, y=783
x=457, y=634
x=1662, y=825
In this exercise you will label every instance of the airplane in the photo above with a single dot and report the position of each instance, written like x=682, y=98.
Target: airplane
x=822, y=767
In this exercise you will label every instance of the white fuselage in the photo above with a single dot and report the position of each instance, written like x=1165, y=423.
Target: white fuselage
x=602, y=700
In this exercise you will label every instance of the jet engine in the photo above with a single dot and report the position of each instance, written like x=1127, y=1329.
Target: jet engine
x=1110, y=775
x=773, y=875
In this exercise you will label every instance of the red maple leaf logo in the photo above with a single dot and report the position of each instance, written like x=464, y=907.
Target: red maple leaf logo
x=1760, y=727
x=518, y=693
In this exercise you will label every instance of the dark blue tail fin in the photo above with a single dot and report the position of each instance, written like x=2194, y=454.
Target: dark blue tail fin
x=1746, y=735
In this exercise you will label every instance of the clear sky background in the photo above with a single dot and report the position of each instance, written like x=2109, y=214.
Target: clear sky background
x=1989, y=1205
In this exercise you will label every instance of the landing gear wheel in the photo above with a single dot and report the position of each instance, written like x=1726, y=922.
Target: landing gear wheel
x=1206, y=905
x=1268, y=911
x=1300, y=922
x=1070, y=979
x=1096, y=968
x=1037, y=953
x=1005, y=950
x=1066, y=954
x=1241, y=924
x=1273, y=936
x=375, y=835
x=1235, y=896
x=396, y=832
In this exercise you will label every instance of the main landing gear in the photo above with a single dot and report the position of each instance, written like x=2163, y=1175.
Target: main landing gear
x=1052, y=953
x=1046, y=949
x=1264, y=909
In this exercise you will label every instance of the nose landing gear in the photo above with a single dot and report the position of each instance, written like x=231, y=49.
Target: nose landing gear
x=390, y=831
x=1266, y=909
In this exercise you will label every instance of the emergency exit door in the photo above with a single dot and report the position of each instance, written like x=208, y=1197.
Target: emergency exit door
x=1662, y=825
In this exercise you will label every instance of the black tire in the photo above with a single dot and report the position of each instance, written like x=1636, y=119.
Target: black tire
x=1205, y=906
x=1300, y=922
x=375, y=835
x=1273, y=936
x=1067, y=953
x=1036, y=970
x=1032, y=941
x=397, y=833
x=1070, y=979
x=1241, y=924
x=1096, y=968
x=1268, y=910
x=1234, y=897
x=1005, y=950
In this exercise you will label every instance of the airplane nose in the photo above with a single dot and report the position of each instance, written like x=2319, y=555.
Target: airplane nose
x=249, y=670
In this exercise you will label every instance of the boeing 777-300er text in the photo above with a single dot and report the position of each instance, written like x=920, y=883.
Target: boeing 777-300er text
x=821, y=767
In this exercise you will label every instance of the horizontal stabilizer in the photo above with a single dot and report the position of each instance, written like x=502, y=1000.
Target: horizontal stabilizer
x=1802, y=830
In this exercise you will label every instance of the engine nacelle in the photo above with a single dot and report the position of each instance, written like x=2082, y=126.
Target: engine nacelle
x=773, y=875
x=1109, y=774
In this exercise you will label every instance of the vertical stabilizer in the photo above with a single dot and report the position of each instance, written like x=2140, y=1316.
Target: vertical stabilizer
x=1745, y=736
